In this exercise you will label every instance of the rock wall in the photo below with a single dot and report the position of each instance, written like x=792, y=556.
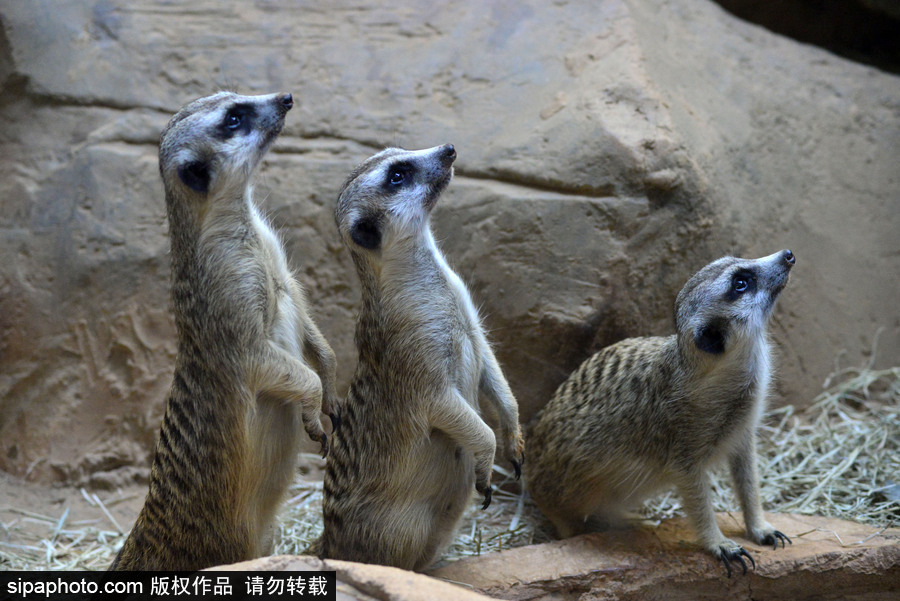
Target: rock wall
x=607, y=150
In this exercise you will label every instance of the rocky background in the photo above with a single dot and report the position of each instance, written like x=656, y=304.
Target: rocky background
x=607, y=150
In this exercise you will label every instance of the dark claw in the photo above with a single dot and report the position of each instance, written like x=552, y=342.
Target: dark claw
x=775, y=537
x=335, y=422
x=727, y=564
x=324, y=441
x=487, y=498
x=727, y=556
x=517, y=467
x=743, y=564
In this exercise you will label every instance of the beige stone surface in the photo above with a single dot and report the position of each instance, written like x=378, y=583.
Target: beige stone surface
x=829, y=559
x=364, y=582
x=607, y=150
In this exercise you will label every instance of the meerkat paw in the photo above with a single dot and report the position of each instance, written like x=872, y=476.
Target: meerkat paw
x=314, y=430
x=767, y=535
x=487, y=498
x=331, y=407
x=728, y=551
x=515, y=450
x=483, y=486
x=335, y=418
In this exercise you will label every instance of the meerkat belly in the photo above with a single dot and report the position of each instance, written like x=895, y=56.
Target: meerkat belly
x=443, y=468
x=436, y=477
x=274, y=423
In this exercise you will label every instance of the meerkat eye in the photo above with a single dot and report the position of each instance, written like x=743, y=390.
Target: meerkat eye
x=398, y=174
x=743, y=281
x=232, y=121
x=397, y=177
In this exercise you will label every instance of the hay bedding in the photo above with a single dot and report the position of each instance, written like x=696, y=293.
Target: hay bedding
x=840, y=458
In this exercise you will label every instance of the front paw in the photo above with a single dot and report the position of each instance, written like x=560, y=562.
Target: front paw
x=767, y=535
x=514, y=449
x=728, y=551
x=335, y=418
x=484, y=488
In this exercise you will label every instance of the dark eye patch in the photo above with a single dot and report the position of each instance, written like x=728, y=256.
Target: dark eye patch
x=238, y=119
x=712, y=336
x=398, y=174
x=743, y=281
x=366, y=231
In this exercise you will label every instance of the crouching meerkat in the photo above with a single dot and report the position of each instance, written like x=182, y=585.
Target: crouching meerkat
x=412, y=442
x=242, y=390
x=647, y=413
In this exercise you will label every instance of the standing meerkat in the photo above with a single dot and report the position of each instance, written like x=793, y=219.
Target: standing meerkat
x=647, y=413
x=242, y=390
x=412, y=442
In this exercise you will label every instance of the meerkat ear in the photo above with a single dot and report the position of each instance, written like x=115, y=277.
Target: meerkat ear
x=366, y=232
x=710, y=337
x=195, y=176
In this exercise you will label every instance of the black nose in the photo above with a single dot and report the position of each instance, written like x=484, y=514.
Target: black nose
x=287, y=101
x=449, y=152
x=789, y=257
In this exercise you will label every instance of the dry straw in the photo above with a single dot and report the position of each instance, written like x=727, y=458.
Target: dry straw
x=840, y=457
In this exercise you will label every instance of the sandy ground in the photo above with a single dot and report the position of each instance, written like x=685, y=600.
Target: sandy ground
x=40, y=524
x=35, y=517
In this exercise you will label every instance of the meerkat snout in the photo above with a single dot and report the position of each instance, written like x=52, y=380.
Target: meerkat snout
x=448, y=154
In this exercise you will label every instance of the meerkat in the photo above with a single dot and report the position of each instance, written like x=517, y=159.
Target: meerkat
x=242, y=388
x=412, y=441
x=648, y=413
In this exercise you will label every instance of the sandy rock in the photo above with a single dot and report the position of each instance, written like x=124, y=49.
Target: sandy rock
x=363, y=582
x=829, y=559
x=606, y=151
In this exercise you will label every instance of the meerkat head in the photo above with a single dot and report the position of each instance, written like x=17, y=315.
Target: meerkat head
x=389, y=197
x=215, y=143
x=727, y=303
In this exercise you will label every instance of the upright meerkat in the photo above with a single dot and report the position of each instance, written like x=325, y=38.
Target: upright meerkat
x=412, y=442
x=242, y=389
x=647, y=413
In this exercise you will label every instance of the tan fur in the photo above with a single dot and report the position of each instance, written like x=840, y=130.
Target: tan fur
x=411, y=442
x=242, y=389
x=645, y=414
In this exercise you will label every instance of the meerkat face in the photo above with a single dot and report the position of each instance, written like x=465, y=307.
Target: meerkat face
x=729, y=301
x=389, y=197
x=216, y=142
